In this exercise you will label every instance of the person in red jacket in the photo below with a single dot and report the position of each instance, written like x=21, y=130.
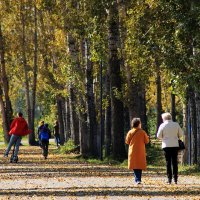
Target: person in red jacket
x=18, y=128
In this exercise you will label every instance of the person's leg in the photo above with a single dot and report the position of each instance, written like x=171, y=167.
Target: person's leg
x=17, y=144
x=168, y=163
x=13, y=138
x=47, y=148
x=43, y=147
x=137, y=175
x=57, y=141
x=175, y=164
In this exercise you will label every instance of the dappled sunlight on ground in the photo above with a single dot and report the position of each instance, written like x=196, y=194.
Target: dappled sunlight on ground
x=60, y=177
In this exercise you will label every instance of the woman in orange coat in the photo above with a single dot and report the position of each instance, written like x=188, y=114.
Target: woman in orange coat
x=136, y=139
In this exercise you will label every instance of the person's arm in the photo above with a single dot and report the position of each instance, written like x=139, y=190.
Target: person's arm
x=128, y=138
x=13, y=123
x=180, y=132
x=146, y=138
x=160, y=132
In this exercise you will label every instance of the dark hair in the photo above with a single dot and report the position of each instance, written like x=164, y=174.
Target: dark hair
x=135, y=122
x=20, y=114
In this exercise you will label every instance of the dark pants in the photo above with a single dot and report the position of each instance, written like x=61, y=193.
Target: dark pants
x=45, y=145
x=171, y=157
x=137, y=175
x=57, y=138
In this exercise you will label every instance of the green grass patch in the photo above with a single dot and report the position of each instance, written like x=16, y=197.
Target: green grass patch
x=69, y=147
x=189, y=170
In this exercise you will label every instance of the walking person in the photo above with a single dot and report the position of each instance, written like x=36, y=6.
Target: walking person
x=169, y=132
x=137, y=138
x=56, y=133
x=40, y=128
x=44, y=136
x=18, y=128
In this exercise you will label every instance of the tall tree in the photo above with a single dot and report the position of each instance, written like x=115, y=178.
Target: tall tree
x=6, y=106
x=116, y=84
x=35, y=71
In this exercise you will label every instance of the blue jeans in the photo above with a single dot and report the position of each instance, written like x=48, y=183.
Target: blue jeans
x=137, y=175
x=14, y=139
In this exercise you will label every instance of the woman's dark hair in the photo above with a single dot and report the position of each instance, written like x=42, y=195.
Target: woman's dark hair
x=135, y=122
x=20, y=114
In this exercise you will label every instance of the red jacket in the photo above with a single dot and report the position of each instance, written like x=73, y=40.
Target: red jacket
x=19, y=127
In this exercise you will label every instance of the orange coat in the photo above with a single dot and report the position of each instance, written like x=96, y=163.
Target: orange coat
x=137, y=151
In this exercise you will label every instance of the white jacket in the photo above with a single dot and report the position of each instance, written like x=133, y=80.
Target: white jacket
x=169, y=132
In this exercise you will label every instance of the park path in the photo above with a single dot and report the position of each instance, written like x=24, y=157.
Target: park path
x=61, y=177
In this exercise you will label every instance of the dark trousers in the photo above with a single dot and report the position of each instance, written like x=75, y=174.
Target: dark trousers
x=137, y=175
x=45, y=145
x=57, y=138
x=171, y=157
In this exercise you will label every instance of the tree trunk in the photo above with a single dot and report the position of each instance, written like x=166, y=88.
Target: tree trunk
x=173, y=107
x=68, y=125
x=91, y=112
x=3, y=115
x=197, y=100
x=59, y=101
x=185, y=130
x=193, y=127
x=108, y=118
x=24, y=60
x=158, y=97
x=35, y=69
x=116, y=85
x=73, y=117
x=83, y=129
x=5, y=85
x=73, y=52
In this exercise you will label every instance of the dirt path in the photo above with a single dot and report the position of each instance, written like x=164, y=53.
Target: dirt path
x=60, y=177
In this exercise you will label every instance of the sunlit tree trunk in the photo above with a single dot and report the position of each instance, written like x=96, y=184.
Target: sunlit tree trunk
x=158, y=97
x=68, y=125
x=35, y=71
x=136, y=96
x=24, y=61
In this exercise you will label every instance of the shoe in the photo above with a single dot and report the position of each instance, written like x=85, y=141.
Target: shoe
x=15, y=159
x=169, y=182
x=175, y=182
x=138, y=182
x=5, y=155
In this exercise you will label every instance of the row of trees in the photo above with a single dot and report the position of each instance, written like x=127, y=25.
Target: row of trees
x=95, y=65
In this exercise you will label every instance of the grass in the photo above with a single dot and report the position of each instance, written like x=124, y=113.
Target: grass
x=69, y=147
x=189, y=170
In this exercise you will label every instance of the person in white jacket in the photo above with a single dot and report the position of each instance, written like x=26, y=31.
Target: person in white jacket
x=169, y=132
